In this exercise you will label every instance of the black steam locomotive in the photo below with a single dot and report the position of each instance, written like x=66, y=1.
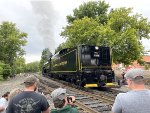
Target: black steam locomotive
x=84, y=65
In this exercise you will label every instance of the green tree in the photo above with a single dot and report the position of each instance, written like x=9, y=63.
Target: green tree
x=86, y=31
x=11, y=42
x=46, y=54
x=1, y=70
x=122, y=31
x=5, y=70
x=129, y=30
x=32, y=67
x=19, y=65
x=93, y=9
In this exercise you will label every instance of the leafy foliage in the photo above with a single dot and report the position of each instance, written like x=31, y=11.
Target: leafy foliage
x=5, y=70
x=121, y=30
x=1, y=69
x=11, y=42
x=127, y=46
x=32, y=67
x=19, y=65
x=147, y=66
x=93, y=9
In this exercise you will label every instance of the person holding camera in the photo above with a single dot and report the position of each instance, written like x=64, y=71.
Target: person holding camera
x=62, y=102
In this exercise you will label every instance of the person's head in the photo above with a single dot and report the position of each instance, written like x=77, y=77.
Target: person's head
x=60, y=98
x=31, y=82
x=14, y=92
x=135, y=77
x=5, y=95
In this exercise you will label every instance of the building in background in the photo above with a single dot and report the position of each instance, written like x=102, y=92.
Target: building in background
x=146, y=59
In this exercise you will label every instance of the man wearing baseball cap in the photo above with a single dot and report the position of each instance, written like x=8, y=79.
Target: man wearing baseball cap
x=138, y=99
x=29, y=101
x=62, y=102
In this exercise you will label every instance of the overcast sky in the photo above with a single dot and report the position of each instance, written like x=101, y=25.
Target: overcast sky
x=43, y=20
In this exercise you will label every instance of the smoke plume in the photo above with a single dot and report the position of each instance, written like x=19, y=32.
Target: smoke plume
x=46, y=24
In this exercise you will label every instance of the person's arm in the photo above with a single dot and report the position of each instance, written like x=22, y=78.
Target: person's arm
x=9, y=108
x=2, y=108
x=45, y=105
x=47, y=111
x=117, y=106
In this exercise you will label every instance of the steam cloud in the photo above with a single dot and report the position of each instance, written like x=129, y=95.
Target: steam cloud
x=46, y=24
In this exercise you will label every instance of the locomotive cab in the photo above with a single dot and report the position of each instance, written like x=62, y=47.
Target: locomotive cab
x=96, y=66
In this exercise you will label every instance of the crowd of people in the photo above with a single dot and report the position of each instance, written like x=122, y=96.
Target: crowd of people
x=137, y=100
x=30, y=101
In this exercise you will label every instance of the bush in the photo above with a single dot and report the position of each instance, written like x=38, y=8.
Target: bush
x=5, y=70
x=1, y=72
x=147, y=66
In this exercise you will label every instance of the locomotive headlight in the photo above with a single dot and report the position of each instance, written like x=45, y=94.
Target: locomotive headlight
x=96, y=48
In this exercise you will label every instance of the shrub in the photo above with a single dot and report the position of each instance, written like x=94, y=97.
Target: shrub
x=147, y=66
x=5, y=70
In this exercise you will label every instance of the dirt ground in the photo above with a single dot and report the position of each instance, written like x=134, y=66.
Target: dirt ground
x=146, y=73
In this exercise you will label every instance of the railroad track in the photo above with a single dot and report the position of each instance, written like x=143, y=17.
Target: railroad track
x=87, y=100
